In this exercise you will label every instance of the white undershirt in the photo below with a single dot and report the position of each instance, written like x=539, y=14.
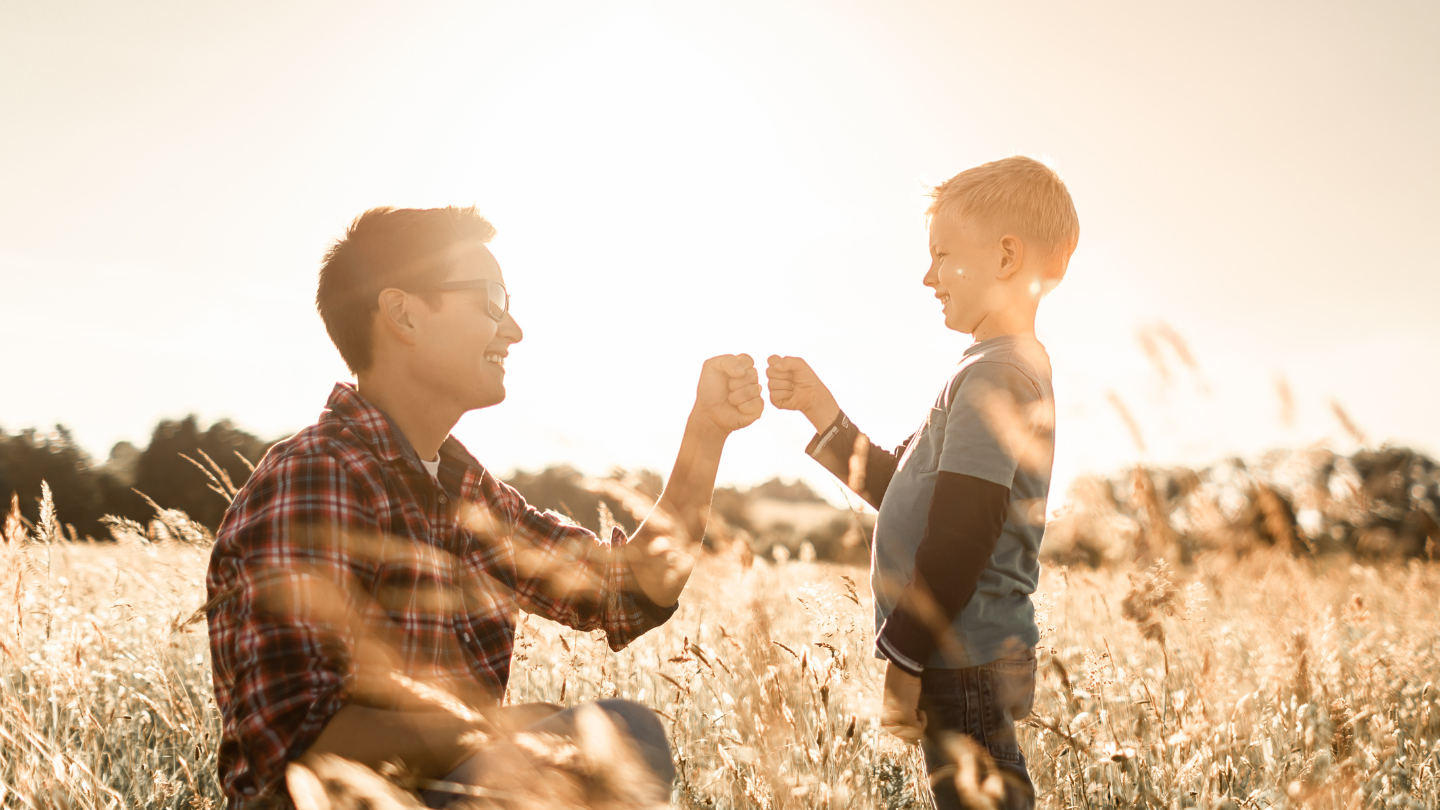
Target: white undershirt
x=433, y=467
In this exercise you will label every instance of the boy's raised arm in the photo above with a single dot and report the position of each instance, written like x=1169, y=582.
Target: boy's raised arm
x=838, y=445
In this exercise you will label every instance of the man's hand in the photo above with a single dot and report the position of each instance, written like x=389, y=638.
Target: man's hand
x=900, y=707
x=794, y=386
x=728, y=395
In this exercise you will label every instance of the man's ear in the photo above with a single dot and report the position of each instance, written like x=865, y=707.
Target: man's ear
x=396, y=315
x=1012, y=255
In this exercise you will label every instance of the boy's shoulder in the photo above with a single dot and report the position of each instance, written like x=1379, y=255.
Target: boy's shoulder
x=1019, y=365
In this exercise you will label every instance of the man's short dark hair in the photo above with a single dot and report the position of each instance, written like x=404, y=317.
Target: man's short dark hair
x=387, y=247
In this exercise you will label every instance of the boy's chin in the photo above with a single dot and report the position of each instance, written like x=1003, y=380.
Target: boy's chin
x=957, y=326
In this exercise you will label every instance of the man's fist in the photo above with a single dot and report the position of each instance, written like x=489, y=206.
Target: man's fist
x=794, y=386
x=729, y=392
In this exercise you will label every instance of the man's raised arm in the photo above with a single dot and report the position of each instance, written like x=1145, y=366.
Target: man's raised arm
x=662, y=550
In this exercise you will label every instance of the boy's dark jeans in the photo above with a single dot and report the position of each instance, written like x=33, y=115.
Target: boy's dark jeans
x=983, y=702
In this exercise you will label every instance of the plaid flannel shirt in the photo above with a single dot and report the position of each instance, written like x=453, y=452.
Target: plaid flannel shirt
x=341, y=556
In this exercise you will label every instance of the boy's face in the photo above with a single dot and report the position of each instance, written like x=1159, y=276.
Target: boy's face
x=966, y=271
x=460, y=349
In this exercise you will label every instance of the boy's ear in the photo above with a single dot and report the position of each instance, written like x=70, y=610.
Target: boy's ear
x=1012, y=255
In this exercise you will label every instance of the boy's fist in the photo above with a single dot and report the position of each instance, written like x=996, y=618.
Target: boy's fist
x=794, y=386
x=729, y=392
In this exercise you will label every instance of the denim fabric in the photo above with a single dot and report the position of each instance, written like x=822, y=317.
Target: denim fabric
x=633, y=720
x=984, y=702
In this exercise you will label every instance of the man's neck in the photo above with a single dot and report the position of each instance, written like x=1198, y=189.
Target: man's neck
x=424, y=423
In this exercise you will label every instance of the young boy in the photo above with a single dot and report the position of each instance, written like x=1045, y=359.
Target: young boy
x=962, y=501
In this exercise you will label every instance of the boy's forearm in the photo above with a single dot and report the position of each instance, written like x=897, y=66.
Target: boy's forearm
x=849, y=455
x=823, y=414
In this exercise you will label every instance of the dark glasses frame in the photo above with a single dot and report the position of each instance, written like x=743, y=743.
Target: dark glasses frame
x=497, y=298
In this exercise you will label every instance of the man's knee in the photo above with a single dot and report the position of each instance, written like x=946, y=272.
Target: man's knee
x=643, y=726
x=641, y=720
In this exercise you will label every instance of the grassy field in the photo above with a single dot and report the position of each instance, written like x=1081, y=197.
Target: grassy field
x=1255, y=682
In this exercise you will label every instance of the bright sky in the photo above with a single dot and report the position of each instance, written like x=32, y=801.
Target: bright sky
x=672, y=181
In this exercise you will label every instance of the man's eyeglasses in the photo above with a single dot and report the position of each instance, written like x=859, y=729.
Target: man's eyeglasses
x=497, y=299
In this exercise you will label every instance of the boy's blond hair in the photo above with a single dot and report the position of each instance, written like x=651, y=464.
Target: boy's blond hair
x=1018, y=195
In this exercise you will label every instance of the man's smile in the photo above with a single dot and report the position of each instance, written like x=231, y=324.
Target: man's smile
x=495, y=357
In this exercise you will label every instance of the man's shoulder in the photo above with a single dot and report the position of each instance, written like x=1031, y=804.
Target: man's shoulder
x=327, y=443
x=322, y=466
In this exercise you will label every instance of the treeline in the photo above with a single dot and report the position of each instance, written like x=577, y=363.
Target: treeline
x=166, y=473
x=1373, y=504
x=85, y=491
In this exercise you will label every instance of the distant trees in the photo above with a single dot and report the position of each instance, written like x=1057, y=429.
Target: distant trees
x=27, y=458
x=84, y=492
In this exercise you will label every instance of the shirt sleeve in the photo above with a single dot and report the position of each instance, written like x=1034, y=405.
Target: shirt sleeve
x=991, y=427
x=967, y=515
x=565, y=573
x=858, y=462
x=284, y=632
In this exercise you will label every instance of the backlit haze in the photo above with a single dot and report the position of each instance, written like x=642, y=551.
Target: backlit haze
x=672, y=181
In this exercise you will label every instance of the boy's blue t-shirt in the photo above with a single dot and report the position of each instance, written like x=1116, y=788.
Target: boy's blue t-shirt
x=993, y=420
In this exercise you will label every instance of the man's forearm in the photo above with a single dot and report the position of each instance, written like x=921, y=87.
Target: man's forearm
x=430, y=744
x=663, y=547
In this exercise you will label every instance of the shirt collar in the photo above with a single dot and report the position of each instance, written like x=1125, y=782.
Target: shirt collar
x=375, y=429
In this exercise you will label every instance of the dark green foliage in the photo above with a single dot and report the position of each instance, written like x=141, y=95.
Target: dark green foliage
x=85, y=492
x=29, y=457
x=164, y=475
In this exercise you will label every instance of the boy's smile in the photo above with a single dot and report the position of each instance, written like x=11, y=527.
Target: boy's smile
x=964, y=272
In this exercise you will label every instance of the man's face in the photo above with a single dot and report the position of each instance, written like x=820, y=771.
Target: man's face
x=965, y=264
x=460, y=349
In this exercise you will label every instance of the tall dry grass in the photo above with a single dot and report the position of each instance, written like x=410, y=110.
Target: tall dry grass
x=1254, y=682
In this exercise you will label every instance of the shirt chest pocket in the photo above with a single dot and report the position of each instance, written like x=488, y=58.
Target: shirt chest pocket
x=923, y=453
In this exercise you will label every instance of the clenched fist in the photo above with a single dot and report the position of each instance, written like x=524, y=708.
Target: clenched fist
x=729, y=392
x=794, y=386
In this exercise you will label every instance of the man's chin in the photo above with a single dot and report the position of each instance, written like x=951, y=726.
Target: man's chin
x=489, y=398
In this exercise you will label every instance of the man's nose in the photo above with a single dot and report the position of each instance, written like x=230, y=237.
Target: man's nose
x=510, y=329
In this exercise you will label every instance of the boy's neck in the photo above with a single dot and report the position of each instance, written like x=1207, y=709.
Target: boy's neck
x=1005, y=322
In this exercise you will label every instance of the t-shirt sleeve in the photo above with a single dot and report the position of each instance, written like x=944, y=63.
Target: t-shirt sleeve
x=991, y=427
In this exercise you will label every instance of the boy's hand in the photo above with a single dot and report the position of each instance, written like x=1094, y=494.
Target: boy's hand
x=900, y=707
x=794, y=386
x=728, y=395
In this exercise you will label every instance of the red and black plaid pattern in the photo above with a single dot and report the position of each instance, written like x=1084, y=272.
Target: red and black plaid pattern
x=342, y=563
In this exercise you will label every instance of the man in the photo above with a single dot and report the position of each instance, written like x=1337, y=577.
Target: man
x=371, y=569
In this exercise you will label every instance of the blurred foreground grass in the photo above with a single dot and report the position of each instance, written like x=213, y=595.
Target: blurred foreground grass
x=1238, y=682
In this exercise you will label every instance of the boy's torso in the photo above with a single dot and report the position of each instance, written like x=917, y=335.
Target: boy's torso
x=999, y=618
